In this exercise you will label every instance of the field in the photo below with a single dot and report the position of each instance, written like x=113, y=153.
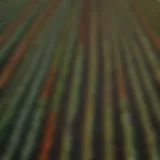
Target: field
x=79, y=80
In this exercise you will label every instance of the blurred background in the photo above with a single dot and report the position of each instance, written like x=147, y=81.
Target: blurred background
x=79, y=80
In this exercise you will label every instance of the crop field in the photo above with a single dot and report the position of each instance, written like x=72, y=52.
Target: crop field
x=79, y=80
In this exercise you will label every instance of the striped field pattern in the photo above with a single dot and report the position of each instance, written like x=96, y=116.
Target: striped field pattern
x=79, y=80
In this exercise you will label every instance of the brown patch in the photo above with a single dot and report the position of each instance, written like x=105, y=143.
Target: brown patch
x=84, y=22
x=47, y=89
x=1, y=38
x=48, y=139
